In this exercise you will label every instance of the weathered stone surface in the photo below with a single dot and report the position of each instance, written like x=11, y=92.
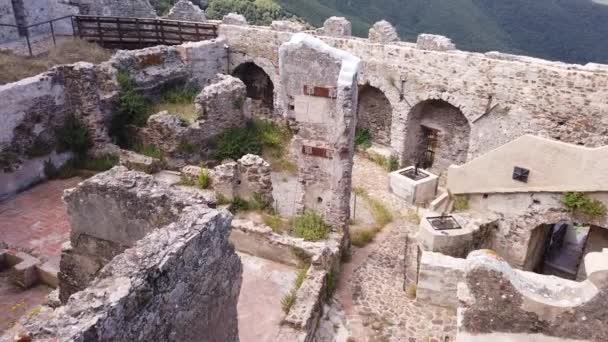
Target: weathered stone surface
x=109, y=213
x=254, y=179
x=383, y=32
x=165, y=131
x=337, y=27
x=287, y=26
x=139, y=162
x=438, y=278
x=186, y=10
x=186, y=273
x=205, y=59
x=221, y=105
x=501, y=302
x=234, y=19
x=7, y=16
x=434, y=42
x=113, y=8
x=325, y=123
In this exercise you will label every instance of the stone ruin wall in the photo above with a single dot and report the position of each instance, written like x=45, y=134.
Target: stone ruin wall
x=33, y=108
x=495, y=301
x=179, y=278
x=319, y=86
x=551, y=99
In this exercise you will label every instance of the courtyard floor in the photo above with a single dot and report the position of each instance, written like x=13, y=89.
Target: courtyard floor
x=259, y=308
x=370, y=301
x=35, y=221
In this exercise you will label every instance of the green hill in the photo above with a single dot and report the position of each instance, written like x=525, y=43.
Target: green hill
x=568, y=30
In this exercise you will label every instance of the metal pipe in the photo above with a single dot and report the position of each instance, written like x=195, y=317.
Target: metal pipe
x=53, y=33
x=27, y=39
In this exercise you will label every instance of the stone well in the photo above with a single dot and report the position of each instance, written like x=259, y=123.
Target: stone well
x=415, y=188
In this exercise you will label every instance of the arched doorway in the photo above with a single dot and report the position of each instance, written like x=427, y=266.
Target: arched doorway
x=437, y=136
x=375, y=114
x=259, y=88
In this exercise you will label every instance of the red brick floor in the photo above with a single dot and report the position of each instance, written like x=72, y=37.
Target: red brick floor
x=36, y=220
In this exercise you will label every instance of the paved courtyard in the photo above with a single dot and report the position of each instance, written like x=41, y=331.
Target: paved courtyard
x=36, y=222
x=370, y=300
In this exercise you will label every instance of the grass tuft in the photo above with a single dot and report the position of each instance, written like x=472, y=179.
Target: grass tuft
x=310, y=226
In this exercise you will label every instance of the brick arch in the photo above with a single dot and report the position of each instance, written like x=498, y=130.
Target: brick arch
x=437, y=135
x=466, y=107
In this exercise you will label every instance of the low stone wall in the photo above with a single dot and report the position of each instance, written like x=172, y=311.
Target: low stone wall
x=301, y=322
x=34, y=108
x=438, y=279
x=108, y=213
x=177, y=283
x=511, y=305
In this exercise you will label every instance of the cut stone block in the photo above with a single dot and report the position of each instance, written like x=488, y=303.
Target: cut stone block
x=416, y=189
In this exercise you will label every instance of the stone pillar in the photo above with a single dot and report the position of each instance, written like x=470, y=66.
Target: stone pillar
x=186, y=10
x=234, y=19
x=434, y=42
x=337, y=27
x=82, y=91
x=319, y=85
x=383, y=32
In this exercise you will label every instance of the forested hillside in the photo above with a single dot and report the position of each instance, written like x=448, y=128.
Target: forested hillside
x=568, y=30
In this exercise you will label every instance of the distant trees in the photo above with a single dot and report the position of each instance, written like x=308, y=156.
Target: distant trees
x=257, y=12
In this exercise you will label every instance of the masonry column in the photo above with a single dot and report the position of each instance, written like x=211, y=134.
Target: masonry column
x=319, y=86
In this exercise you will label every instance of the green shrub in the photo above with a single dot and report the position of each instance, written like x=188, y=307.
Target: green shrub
x=290, y=297
x=100, y=163
x=579, y=203
x=363, y=139
x=361, y=237
x=186, y=181
x=204, y=181
x=150, y=151
x=461, y=203
x=310, y=226
x=221, y=199
x=39, y=148
x=235, y=143
x=238, y=102
x=132, y=109
x=389, y=164
x=180, y=95
x=186, y=147
x=50, y=171
x=73, y=136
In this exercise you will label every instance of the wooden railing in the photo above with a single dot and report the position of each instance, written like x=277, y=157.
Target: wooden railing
x=136, y=33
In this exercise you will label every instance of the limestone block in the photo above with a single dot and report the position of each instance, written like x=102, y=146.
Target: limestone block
x=186, y=10
x=221, y=105
x=438, y=279
x=192, y=172
x=434, y=42
x=138, y=162
x=255, y=179
x=287, y=26
x=224, y=179
x=234, y=19
x=337, y=27
x=47, y=274
x=415, y=191
x=25, y=273
x=165, y=131
x=383, y=32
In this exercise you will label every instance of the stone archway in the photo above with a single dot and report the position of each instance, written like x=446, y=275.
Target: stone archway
x=259, y=87
x=437, y=136
x=375, y=114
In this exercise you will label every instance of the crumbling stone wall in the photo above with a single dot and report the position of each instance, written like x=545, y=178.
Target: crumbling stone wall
x=248, y=178
x=375, y=114
x=186, y=10
x=115, y=8
x=438, y=279
x=499, y=302
x=108, y=214
x=221, y=105
x=7, y=16
x=502, y=96
x=319, y=86
x=180, y=282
